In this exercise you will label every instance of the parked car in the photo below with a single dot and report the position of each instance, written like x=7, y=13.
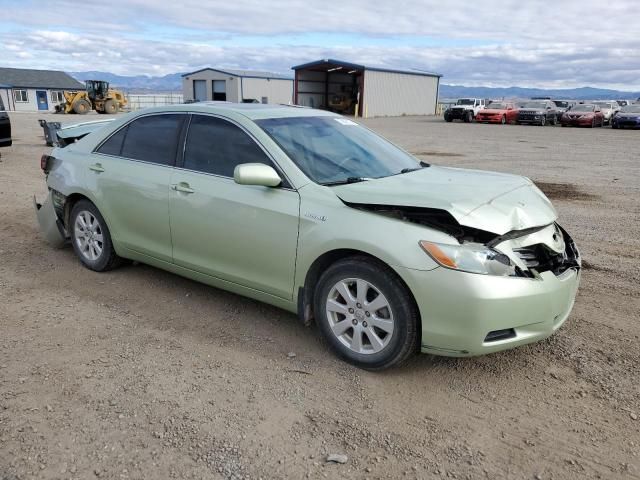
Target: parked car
x=5, y=127
x=608, y=110
x=561, y=107
x=309, y=211
x=624, y=103
x=539, y=112
x=627, y=117
x=498, y=112
x=583, y=115
x=465, y=109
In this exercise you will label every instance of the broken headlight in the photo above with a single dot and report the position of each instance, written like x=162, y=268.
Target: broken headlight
x=472, y=258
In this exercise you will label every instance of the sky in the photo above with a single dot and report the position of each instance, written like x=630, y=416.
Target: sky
x=528, y=43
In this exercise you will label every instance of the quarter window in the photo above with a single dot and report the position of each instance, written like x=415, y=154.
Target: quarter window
x=21, y=96
x=113, y=146
x=153, y=138
x=217, y=146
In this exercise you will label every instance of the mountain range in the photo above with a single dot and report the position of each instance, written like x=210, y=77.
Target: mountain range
x=173, y=82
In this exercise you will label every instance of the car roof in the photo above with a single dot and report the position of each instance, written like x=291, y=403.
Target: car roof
x=253, y=111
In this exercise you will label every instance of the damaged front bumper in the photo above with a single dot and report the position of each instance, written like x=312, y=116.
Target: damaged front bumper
x=50, y=225
x=466, y=314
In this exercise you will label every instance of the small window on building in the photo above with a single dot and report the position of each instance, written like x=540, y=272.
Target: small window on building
x=217, y=146
x=21, y=96
x=57, y=96
x=220, y=90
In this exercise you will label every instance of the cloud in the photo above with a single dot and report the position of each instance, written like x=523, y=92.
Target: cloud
x=496, y=43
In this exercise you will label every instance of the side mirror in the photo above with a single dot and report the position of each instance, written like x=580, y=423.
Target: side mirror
x=256, y=174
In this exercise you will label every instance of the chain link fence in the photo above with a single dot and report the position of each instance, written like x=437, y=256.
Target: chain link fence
x=139, y=101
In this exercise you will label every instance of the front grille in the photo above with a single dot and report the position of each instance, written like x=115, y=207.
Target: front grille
x=541, y=258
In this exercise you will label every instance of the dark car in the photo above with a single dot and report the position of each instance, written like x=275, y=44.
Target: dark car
x=5, y=127
x=627, y=117
x=538, y=112
x=583, y=115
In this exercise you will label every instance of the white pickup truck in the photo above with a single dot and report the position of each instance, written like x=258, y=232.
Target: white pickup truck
x=465, y=109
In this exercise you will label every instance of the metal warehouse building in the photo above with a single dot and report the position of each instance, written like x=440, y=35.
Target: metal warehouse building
x=365, y=91
x=32, y=90
x=237, y=86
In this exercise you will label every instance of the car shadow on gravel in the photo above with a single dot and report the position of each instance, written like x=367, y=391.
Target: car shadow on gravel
x=565, y=191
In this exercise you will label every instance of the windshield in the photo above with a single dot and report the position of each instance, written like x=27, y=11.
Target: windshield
x=582, y=108
x=335, y=149
x=603, y=105
x=497, y=106
x=537, y=105
x=631, y=109
x=561, y=103
x=465, y=101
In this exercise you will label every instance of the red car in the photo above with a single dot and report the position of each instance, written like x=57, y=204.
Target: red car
x=498, y=112
x=583, y=115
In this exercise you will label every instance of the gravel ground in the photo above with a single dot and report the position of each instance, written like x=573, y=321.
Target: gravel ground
x=138, y=373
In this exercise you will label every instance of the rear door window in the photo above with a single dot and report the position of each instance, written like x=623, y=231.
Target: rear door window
x=153, y=138
x=113, y=146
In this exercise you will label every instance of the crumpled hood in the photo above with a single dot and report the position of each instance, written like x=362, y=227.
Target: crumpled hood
x=489, y=201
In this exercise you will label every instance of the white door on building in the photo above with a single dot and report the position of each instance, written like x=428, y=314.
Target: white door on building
x=220, y=90
x=200, y=90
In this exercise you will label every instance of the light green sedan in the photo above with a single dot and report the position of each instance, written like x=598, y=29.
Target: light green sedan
x=313, y=213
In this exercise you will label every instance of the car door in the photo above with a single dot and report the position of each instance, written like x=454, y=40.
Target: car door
x=243, y=234
x=5, y=127
x=130, y=174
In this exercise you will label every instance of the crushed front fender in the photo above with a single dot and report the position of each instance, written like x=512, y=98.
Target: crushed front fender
x=50, y=224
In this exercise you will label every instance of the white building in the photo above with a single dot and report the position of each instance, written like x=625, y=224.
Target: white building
x=237, y=86
x=32, y=90
x=371, y=91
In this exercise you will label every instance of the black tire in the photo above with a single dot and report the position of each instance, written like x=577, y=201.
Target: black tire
x=613, y=125
x=504, y=120
x=543, y=121
x=554, y=120
x=111, y=106
x=403, y=341
x=108, y=259
x=81, y=107
x=447, y=118
x=468, y=117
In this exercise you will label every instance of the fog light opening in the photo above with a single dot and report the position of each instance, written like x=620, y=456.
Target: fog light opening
x=498, y=335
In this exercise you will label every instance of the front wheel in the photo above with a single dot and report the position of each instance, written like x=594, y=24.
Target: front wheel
x=91, y=239
x=504, y=119
x=468, y=117
x=543, y=122
x=366, y=313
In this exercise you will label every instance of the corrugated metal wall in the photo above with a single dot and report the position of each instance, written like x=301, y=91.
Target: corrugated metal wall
x=275, y=90
x=395, y=94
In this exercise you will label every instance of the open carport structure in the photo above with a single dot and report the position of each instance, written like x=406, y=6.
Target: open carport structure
x=365, y=91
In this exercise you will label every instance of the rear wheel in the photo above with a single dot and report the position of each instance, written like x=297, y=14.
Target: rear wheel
x=111, y=106
x=81, y=106
x=91, y=238
x=366, y=313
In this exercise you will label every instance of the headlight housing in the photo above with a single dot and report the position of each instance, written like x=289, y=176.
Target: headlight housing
x=472, y=258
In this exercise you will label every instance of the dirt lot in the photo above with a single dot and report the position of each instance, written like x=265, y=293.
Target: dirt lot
x=141, y=374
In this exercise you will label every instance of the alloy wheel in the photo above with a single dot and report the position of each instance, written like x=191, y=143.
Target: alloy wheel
x=88, y=236
x=359, y=316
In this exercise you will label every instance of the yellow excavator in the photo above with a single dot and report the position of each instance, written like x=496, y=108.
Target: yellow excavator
x=96, y=96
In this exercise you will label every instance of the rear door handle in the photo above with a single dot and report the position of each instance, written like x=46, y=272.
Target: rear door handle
x=96, y=167
x=182, y=187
